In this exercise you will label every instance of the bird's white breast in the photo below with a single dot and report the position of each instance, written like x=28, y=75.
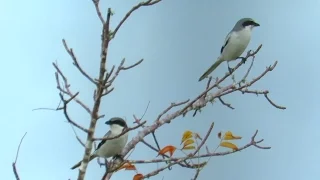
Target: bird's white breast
x=237, y=44
x=114, y=146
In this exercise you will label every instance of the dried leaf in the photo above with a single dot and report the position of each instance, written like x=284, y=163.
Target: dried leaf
x=229, y=145
x=166, y=149
x=186, y=135
x=137, y=177
x=229, y=136
x=219, y=135
x=127, y=166
x=197, y=136
x=130, y=167
x=188, y=142
x=189, y=147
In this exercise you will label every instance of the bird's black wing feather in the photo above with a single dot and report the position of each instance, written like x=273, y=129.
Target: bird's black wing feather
x=103, y=141
x=225, y=43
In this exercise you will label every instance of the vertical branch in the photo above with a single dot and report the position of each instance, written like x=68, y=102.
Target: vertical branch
x=99, y=92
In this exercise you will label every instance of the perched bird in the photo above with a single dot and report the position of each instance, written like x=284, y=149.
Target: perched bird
x=113, y=147
x=235, y=44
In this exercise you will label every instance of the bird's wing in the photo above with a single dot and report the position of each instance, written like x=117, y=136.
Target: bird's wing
x=225, y=42
x=103, y=141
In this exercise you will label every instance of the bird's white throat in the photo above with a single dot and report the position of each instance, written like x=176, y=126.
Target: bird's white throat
x=115, y=128
x=250, y=27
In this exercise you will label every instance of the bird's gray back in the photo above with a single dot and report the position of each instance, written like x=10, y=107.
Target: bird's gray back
x=238, y=26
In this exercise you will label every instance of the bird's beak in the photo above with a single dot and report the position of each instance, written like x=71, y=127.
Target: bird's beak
x=108, y=122
x=256, y=24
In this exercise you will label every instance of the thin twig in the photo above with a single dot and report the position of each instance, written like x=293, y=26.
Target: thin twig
x=65, y=112
x=66, y=86
x=125, y=131
x=146, y=3
x=224, y=103
x=204, y=140
x=273, y=104
x=96, y=5
x=76, y=63
x=180, y=159
x=14, y=164
x=75, y=133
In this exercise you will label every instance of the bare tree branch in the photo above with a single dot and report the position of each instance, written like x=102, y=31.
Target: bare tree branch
x=79, y=140
x=146, y=3
x=14, y=164
x=104, y=83
x=180, y=159
x=67, y=87
x=65, y=112
x=96, y=5
x=76, y=63
x=204, y=140
x=125, y=131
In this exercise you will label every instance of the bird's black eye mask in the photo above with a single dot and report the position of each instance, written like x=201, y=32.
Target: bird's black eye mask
x=118, y=122
x=248, y=23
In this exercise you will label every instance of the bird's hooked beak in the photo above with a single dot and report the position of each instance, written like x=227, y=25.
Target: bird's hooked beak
x=255, y=24
x=108, y=122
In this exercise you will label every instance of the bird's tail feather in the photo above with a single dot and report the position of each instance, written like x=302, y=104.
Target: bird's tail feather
x=79, y=163
x=212, y=68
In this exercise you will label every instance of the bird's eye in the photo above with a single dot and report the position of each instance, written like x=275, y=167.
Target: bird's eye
x=247, y=23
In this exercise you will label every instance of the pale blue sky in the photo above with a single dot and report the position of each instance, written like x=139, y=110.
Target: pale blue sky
x=178, y=40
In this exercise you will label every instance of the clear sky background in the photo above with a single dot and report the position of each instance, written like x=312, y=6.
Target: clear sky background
x=178, y=40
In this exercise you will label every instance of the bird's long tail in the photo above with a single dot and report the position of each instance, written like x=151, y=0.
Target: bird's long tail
x=79, y=163
x=212, y=68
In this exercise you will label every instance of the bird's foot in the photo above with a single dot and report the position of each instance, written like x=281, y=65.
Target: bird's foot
x=118, y=156
x=243, y=59
x=230, y=69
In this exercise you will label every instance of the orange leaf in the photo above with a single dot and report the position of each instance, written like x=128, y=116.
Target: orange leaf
x=186, y=135
x=166, y=149
x=127, y=166
x=229, y=136
x=130, y=167
x=229, y=145
x=189, y=147
x=188, y=142
x=137, y=177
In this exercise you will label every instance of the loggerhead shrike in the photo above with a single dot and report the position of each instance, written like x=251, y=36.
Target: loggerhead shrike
x=235, y=43
x=113, y=147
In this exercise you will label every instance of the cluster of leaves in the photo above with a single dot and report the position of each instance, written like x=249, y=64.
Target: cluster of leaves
x=189, y=141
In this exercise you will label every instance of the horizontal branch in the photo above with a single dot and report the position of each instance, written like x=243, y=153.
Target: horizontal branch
x=125, y=131
x=198, y=102
x=180, y=159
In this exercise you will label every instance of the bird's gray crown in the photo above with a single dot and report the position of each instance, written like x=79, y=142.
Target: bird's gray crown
x=245, y=22
x=117, y=120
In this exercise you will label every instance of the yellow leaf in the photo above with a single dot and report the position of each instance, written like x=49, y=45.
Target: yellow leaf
x=137, y=177
x=229, y=145
x=186, y=135
x=166, y=149
x=229, y=136
x=189, y=147
x=188, y=142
